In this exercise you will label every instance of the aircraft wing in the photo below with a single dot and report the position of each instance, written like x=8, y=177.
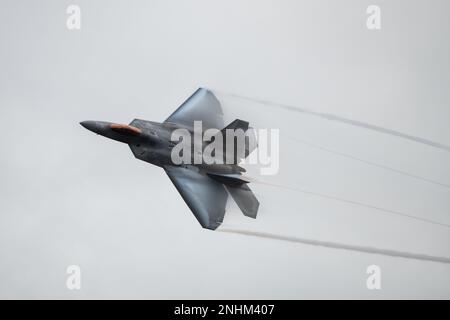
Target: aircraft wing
x=201, y=106
x=205, y=197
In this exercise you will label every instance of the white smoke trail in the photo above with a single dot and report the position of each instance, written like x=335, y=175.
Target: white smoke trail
x=342, y=246
x=361, y=204
x=337, y=245
x=348, y=156
x=329, y=116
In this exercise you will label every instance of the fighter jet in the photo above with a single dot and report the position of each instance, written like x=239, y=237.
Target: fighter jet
x=204, y=187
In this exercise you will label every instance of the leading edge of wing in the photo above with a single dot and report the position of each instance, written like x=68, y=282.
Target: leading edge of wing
x=205, y=197
x=200, y=106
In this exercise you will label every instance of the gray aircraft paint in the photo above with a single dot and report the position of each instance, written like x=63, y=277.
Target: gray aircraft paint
x=202, y=185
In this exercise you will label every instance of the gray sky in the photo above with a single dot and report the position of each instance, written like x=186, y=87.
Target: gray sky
x=70, y=197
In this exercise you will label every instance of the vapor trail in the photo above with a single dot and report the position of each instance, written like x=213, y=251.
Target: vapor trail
x=356, y=123
x=342, y=246
x=371, y=163
x=361, y=204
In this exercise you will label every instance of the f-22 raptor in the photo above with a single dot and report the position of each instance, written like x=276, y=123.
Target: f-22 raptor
x=204, y=187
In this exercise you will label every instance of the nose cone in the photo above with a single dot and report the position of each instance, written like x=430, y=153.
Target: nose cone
x=119, y=132
x=99, y=127
x=90, y=125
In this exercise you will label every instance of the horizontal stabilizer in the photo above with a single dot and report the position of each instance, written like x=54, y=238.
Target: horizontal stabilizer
x=232, y=180
x=245, y=199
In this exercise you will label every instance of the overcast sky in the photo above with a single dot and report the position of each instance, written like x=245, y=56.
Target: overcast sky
x=71, y=197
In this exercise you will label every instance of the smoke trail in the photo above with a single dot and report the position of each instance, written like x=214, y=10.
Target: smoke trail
x=342, y=246
x=371, y=163
x=361, y=204
x=356, y=123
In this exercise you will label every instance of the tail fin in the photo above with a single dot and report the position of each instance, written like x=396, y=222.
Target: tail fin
x=239, y=190
x=245, y=199
x=240, y=148
x=236, y=124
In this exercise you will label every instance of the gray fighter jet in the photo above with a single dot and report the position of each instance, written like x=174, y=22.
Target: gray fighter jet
x=204, y=187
